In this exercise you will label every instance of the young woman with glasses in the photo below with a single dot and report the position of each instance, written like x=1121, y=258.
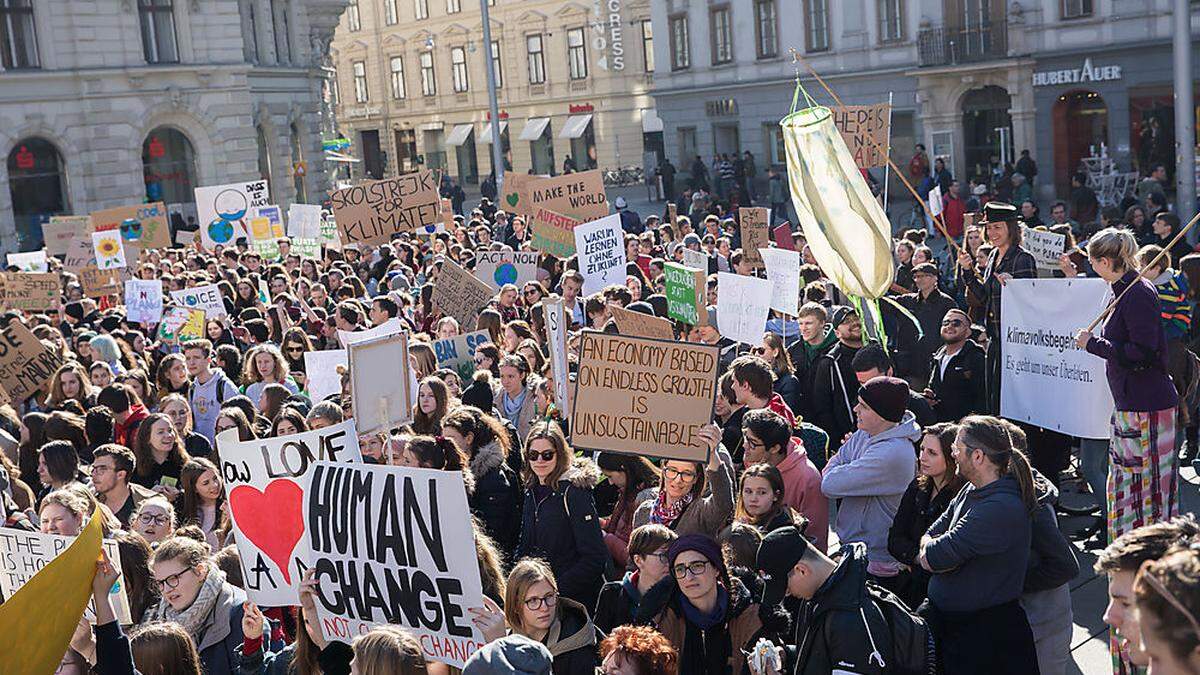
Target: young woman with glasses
x=534, y=608
x=681, y=503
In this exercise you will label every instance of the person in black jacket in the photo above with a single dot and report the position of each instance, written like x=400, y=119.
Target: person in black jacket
x=786, y=385
x=559, y=522
x=496, y=500
x=957, y=383
x=619, y=600
x=535, y=607
x=928, y=305
x=871, y=362
x=834, y=386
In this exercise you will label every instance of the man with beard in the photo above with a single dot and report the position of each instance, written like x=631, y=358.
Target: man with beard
x=956, y=371
x=834, y=384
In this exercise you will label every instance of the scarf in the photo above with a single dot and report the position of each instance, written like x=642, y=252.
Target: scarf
x=698, y=618
x=193, y=617
x=666, y=514
x=512, y=407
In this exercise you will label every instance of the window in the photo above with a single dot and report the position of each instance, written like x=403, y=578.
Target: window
x=537, y=59
x=816, y=24
x=453, y=6
x=18, y=39
x=297, y=160
x=397, y=67
x=421, y=9
x=428, y=78
x=576, y=54
x=390, y=15
x=458, y=68
x=681, y=51
x=648, y=46
x=497, y=71
x=353, y=20
x=891, y=20
x=283, y=39
x=1075, y=9
x=360, y=82
x=722, y=35
x=766, y=29
x=157, y=18
x=168, y=166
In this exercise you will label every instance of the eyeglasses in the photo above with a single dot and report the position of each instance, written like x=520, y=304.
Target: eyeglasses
x=171, y=581
x=674, y=474
x=531, y=292
x=533, y=455
x=295, y=349
x=148, y=518
x=694, y=568
x=661, y=555
x=953, y=322
x=536, y=603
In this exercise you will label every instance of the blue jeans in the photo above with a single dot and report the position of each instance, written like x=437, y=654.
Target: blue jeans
x=1093, y=463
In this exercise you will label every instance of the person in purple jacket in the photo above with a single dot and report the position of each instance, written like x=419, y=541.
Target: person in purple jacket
x=1142, y=473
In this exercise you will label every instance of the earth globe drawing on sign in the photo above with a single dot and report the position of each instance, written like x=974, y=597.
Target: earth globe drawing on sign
x=506, y=273
x=231, y=206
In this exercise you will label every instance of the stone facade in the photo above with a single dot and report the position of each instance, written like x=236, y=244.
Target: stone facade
x=94, y=97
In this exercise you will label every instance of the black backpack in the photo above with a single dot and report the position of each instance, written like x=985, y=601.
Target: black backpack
x=913, y=649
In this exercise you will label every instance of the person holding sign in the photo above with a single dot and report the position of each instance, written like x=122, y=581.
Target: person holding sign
x=681, y=503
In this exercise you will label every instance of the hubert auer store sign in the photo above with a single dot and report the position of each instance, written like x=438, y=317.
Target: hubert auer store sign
x=1086, y=73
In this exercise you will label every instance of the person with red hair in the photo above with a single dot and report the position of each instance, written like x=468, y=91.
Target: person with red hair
x=637, y=650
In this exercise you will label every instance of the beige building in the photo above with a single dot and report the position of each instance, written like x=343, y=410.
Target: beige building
x=573, y=82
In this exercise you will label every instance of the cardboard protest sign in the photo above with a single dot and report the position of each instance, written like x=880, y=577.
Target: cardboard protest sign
x=637, y=324
x=783, y=237
x=109, y=250
x=320, y=369
x=1046, y=247
x=372, y=212
x=25, y=363
x=458, y=353
x=29, y=291
x=578, y=196
x=516, y=196
x=223, y=210
x=857, y=124
x=601, y=247
x=685, y=292
x=6, y=439
x=553, y=233
x=459, y=294
x=743, y=304
x=79, y=254
x=695, y=259
x=643, y=396
x=447, y=217
x=206, y=297
x=304, y=221
x=783, y=271
x=394, y=545
x=755, y=224
x=141, y=226
x=24, y=554
x=30, y=261
x=555, y=313
x=182, y=324
x=264, y=484
x=496, y=268
x=672, y=214
x=98, y=283
x=58, y=233
x=381, y=399
x=144, y=300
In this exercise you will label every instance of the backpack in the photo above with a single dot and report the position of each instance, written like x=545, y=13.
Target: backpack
x=221, y=377
x=913, y=649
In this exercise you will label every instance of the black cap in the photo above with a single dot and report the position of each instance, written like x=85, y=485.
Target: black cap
x=839, y=314
x=777, y=555
x=927, y=268
x=999, y=212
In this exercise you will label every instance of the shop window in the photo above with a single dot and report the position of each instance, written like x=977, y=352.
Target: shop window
x=168, y=166
x=37, y=184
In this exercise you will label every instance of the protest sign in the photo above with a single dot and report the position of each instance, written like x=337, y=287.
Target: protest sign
x=496, y=268
x=447, y=217
x=601, y=246
x=935, y=201
x=783, y=237
x=223, y=210
x=641, y=325
x=516, y=195
x=580, y=197
x=206, y=297
x=460, y=295
x=79, y=254
x=58, y=233
x=260, y=229
x=29, y=291
x=380, y=398
x=274, y=216
x=320, y=369
x=109, y=250
x=695, y=259
x=24, y=554
x=353, y=337
x=555, y=313
x=458, y=353
x=182, y=324
x=685, y=294
x=1045, y=379
x=755, y=224
x=783, y=271
x=25, y=363
x=97, y=283
x=307, y=248
x=264, y=482
x=742, y=307
x=141, y=226
x=1046, y=247
x=394, y=545
x=859, y=126
x=672, y=214
x=304, y=221
x=553, y=233
x=30, y=261
x=329, y=234
x=372, y=212
x=267, y=249
x=643, y=396
x=144, y=300
x=7, y=442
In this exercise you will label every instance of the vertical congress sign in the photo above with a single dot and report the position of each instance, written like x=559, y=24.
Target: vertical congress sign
x=608, y=40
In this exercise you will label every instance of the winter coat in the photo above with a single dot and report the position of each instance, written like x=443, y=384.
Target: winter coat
x=563, y=529
x=618, y=603
x=804, y=358
x=870, y=475
x=913, y=353
x=918, y=509
x=526, y=414
x=834, y=392
x=707, y=514
x=496, y=500
x=1052, y=560
x=787, y=386
x=220, y=641
x=961, y=390
x=262, y=662
x=572, y=639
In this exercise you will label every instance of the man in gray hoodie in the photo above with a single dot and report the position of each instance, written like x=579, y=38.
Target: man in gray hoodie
x=871, y=471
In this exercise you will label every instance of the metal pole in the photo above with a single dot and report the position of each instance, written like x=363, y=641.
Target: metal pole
x=887, y=170
x=1185, y=116
x=497, y=151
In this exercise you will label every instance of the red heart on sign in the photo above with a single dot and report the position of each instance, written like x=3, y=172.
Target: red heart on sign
x=272, y=520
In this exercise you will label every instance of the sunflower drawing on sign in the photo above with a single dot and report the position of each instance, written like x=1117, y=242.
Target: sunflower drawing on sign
x=110, y=252
x=231, y=206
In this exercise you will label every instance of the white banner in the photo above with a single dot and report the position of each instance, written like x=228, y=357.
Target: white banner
x=935, y=201
x=206, y=297
x=601, y=248
x=1044, y=378
x=144, y=300
x=556, y=338
x=783, y=271
x=742, y=307
x=24, y=554
x=496, y=268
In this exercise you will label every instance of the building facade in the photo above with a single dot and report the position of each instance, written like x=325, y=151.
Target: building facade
x=573, y=81
x=975, y=81
x=114, y=102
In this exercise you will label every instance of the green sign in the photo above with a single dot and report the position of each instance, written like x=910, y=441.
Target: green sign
x=685, y=293
x=307, y=248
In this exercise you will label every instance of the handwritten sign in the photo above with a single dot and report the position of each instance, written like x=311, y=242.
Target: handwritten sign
x=578, y=196
x=30, y=261
x=80, y=254
x=141, y=226
x=755, y=223
x=556, y=340
x=553, y=233
x=601, y=246
x=685, y=294
x=638, y=324
x=224, y=210
x=372, y=212
x=742, y=307
x=23, y=554
x=304, y=221
x=459, y=294
x=783, y=271
x=857, y=124
x=29, y=291
x=1046, y=247
x=206, y=297
x=26, y=365
x=696, y=259
x=98, y=283
x=458, y=353
x=144, y=300
x=496, y=268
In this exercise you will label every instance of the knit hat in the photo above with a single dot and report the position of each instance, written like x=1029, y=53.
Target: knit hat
x=514, y=654
x=702, y=544
x=887, y=396
x=777, y=555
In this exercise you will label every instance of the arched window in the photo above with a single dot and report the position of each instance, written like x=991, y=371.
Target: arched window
x=168, y=166
x=37, y=182
x=299, y=168
x=264, y=159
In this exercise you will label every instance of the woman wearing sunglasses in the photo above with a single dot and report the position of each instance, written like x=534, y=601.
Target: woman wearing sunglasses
x=534, y=608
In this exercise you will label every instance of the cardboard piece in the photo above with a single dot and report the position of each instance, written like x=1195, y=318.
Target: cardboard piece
x=381, y=399
x=141, y=226
x=25, y=363
x=98, y=283
x=80, y=254
x=458, y=353
x=642, y=396
x=516, y=197
x=685, y=291
x=223, y=211
x=496, y=268
x=755, y=224
x=637, y=324
x=459, y=294
x=579, y=196
x=59, y=232
x=601, y=247
x=144, y=300
x=372, y=212
x=109, y=249
x=857, y=123
x=30, y=291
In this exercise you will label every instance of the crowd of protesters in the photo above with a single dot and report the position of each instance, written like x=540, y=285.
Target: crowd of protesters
x=861, y=509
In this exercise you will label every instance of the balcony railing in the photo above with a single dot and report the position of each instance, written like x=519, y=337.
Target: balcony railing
x=945, y=46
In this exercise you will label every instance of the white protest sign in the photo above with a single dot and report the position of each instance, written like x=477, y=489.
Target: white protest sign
x=304, y=221
x=109, y=249
x=1042, y=367
x=556, y=338
x=1046, y=247
x=264, y=484
x=601, y=248
x=743, y=304
x=695, y=259
x=206, y=297
x=394, y=545
x=320, y=369
x=496, y=268
x=30, y=261
x=380, y=398
x=935, y=200
x=223, y=211
x=144, y=300
x=389, y=327
x=783, y=271
x=23, y=554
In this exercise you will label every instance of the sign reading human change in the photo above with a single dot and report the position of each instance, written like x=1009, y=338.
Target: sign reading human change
x=372, y=212
x=25, y=363
x=496, y=268
x=459, y=294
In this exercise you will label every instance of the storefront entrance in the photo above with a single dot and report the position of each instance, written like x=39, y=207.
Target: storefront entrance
x=1080, y=130
x=37, y=183
x=168, y=166
x=987, y=132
